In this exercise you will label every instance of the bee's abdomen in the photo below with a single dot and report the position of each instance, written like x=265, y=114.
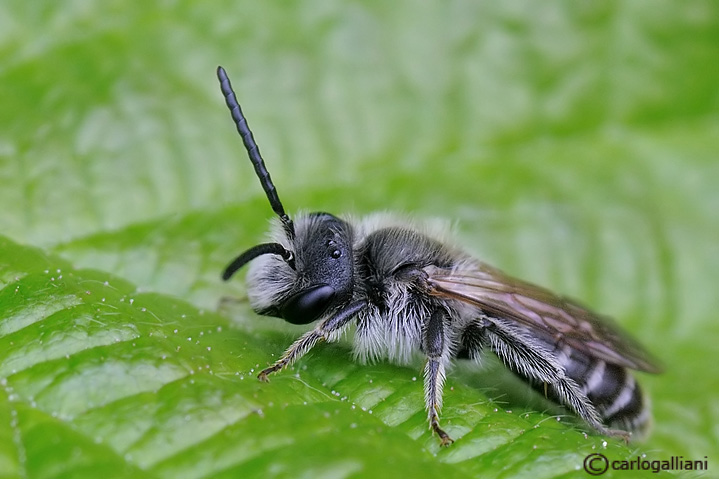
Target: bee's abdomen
x=611, y=389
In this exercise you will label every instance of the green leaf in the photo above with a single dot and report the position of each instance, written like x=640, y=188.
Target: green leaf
x=574, y=144
x=102, y=380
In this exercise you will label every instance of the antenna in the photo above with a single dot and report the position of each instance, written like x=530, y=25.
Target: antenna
x=253, y=151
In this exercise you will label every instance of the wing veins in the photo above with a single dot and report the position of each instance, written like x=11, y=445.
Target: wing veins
x=561, y=319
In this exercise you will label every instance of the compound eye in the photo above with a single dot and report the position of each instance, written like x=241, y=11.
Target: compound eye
x=308, y=305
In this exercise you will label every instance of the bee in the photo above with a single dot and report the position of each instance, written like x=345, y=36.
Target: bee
x=409, y=292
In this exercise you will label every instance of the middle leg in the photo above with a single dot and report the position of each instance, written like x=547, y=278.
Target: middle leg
x=434, y=347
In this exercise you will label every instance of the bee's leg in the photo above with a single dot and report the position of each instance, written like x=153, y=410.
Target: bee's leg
x=531, y=359
x=434, y=348
x=327, y=330
x=472, y=340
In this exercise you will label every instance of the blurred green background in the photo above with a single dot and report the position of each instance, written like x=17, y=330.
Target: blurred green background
x=573, y=144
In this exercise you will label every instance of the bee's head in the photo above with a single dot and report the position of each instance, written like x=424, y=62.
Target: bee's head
x=308, y=269
x=317, y=277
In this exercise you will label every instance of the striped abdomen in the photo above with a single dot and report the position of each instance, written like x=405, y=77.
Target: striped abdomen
x=611, y=389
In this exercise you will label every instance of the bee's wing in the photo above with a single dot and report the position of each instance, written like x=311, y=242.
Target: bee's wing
x=502, y=296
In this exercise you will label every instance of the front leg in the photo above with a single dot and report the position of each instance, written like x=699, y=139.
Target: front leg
x=433, y=343
x=325, y=331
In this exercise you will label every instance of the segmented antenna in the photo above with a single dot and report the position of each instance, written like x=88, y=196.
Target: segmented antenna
x=254, y=252
x=253, y=151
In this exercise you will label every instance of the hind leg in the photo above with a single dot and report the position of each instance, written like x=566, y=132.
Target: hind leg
x=530, y=359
